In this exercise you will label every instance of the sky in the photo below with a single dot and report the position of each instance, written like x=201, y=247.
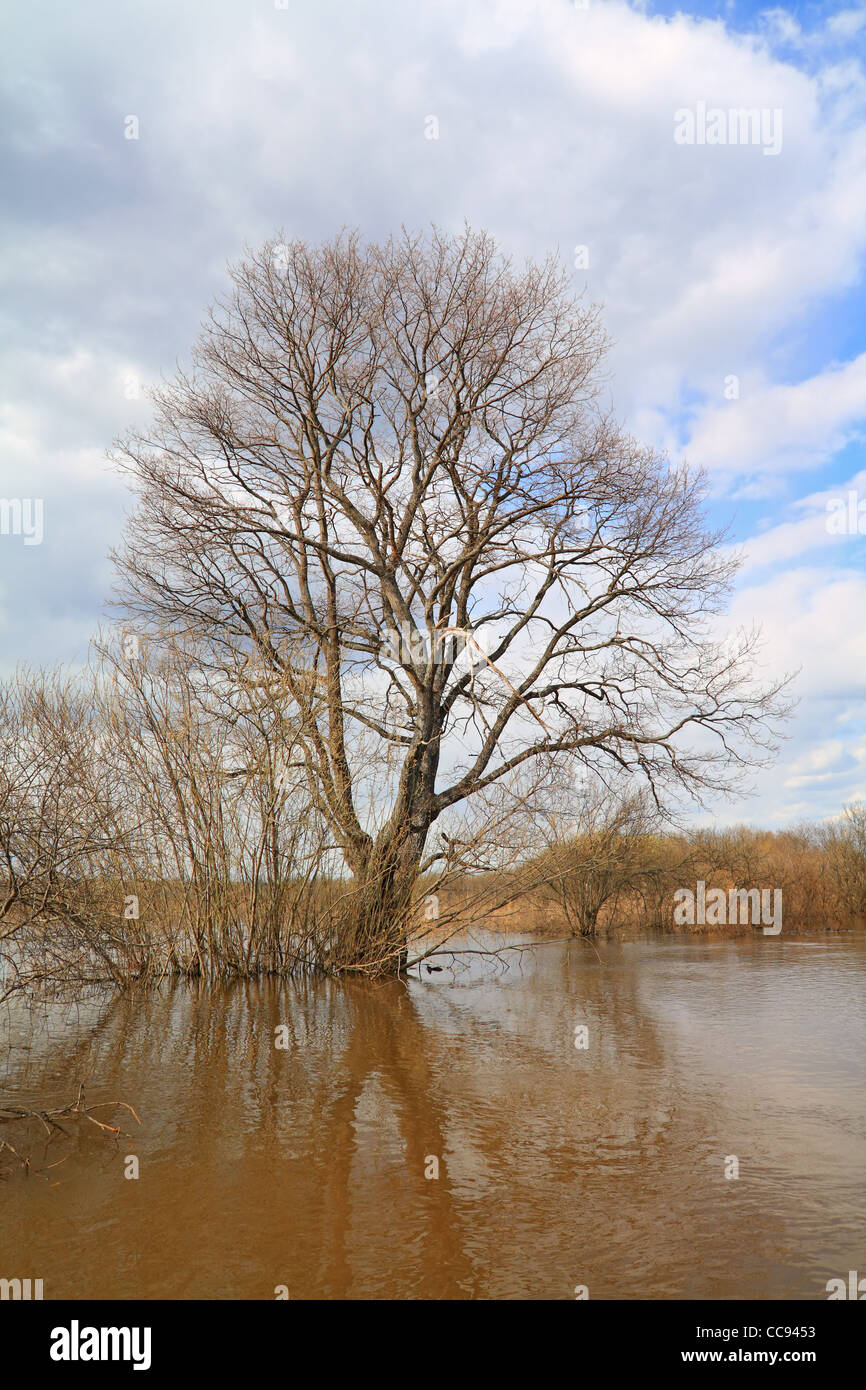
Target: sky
x=145, y=144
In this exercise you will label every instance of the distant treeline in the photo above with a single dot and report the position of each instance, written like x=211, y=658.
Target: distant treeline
x=609, y=880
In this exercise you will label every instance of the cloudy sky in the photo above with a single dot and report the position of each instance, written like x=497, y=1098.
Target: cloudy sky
x=145, y=143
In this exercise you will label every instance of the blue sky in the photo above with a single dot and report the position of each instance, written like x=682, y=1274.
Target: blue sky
x=715, y=262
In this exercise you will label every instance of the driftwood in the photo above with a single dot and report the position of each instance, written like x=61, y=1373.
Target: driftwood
x=51, y=1123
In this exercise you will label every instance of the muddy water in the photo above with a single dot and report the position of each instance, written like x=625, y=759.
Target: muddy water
x=558, y=1166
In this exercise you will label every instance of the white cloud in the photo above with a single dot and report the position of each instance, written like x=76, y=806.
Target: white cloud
x=811, y=620
x=556, y=128
x=782, y=428
x=846, y=23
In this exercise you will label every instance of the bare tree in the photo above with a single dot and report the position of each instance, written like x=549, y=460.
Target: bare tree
x=596, y=854
x=63, y=842
x=388, y=479
x=844, y=844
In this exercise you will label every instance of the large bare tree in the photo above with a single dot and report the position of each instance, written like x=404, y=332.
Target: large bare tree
x=388, y=477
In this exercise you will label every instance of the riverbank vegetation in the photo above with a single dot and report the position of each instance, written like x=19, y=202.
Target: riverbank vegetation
x=620, y=884
x=155, y=824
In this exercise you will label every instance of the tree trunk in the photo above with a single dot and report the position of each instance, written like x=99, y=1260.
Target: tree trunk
x=374, y=934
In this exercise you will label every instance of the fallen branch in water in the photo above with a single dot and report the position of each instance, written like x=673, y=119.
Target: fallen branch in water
x=76, y=1107
x=50, y=1121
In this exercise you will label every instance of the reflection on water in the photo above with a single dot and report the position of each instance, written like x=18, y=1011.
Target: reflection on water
x=605, y=1167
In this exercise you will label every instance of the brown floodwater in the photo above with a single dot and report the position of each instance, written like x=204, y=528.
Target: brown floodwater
x=306, y=1166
